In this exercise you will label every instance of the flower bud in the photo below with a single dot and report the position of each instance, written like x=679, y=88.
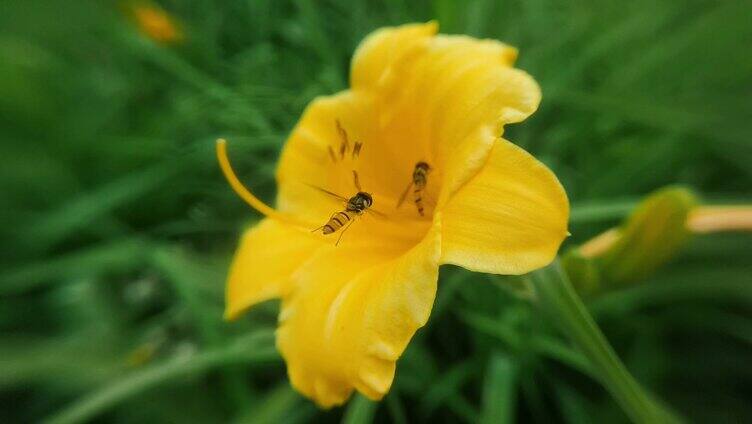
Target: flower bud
x=650, y=237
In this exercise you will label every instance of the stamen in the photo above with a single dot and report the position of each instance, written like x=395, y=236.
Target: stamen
x=356, y=149
x=244, y=193
x=345, y=141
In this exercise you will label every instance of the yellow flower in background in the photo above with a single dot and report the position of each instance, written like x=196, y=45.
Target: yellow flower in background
x=155, y=23
x=421, y=122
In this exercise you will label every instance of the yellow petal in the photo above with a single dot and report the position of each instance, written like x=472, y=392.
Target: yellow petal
x=415, y=97
x=376, y=54
x=307, y=160
x=351, y=316
x=434, y=101
x=508, y=219
x=263, y=265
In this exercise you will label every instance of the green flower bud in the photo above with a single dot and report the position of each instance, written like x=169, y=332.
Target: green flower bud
x=651, y=236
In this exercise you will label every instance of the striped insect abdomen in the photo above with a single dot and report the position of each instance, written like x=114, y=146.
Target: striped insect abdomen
x=419, y=181
x=336, y=222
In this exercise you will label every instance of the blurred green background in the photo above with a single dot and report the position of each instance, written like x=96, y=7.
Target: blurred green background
x=117, y=226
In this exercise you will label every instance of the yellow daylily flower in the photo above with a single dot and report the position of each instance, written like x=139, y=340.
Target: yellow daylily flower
x=349, y=308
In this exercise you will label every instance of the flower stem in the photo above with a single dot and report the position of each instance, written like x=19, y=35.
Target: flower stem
x=557, y=297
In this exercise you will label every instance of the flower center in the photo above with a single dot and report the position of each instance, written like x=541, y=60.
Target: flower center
x=368, y=217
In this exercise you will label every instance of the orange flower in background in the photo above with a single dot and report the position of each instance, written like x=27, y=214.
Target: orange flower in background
x=156, y=23
x=420, y=128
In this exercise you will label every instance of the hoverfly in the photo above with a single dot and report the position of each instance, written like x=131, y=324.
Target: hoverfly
x=355, y=206
x=419, y=180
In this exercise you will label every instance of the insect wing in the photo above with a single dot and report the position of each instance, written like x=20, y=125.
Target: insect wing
x=377, y=213
x=325, y=191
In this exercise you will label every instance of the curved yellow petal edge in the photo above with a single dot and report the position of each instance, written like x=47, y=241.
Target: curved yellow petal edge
x=351, y=317
x=377, y=53
x=435, y=93
x=266, y=257
x=510, y=218
x=349, y=309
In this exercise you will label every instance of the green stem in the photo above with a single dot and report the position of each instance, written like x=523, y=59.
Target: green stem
x=558, y=298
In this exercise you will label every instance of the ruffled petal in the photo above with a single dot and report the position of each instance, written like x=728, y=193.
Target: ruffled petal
x=510, y=218
x=351, y=316
x=435, y=98
x=268, y=255
x=376, y=54
x=415, y=97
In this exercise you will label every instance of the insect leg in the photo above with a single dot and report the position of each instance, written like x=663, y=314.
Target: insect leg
x=327, y=222
x=404, y=194
x=342, y=233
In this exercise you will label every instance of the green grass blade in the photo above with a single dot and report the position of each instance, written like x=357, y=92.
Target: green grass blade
x=258, y=347
x=395, y=407
x=499, y=391
x=275, y=407
x=105, y=257
x=58, y=224
x=594, y=211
